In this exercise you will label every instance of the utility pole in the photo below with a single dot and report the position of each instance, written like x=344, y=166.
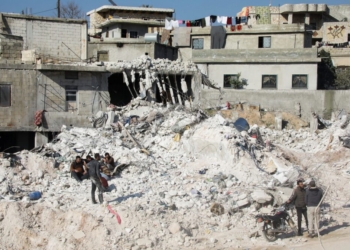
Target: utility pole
x=58, y=8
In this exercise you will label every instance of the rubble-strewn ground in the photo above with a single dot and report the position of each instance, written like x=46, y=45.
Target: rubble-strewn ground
x=163, y=199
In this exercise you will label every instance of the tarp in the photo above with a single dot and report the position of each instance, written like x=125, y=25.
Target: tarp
x=241, y=124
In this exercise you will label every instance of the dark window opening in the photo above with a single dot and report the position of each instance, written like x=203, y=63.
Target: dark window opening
x=299, y=81
x=73, y=75
x=198, y=43
x=265, y=42
x=124, y=32
x=313, y=26
x=71, y=98
x=121, y=94
x=269, y=81
x=107, y=32
x=133, y=34
x=12, y=142
x=229, y=81
x=5, y=95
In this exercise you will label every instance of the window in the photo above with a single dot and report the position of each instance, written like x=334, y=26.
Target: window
x=133, y=34
x=313, y=26
x=299, y=81
x=71, y=75
x=264, y=41
x=71, y=98
x=269, y=81
x=229, y=81
x=5, y=95
x=124, y=31
x=198, y=43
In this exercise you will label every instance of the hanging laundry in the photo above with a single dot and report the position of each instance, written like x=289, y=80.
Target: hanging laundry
x=207, y=21
x=188, y=24
x=168, y=25
x=203, y=23
x=198, y=22
x=213, y=19
x=229, y=20
x=238, y=20
x=244, y=20
x=180, y=21
x=218, y=37
x=223, y=20
x=175, y=24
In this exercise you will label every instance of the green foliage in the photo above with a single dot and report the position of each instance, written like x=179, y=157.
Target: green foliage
x=326, y=71
x=235, y=81
x=342, y=80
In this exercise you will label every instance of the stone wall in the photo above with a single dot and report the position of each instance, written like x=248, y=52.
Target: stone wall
x=10, y=47
x=60, y=39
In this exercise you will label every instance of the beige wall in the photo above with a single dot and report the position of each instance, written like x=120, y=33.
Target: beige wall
x=254, y=72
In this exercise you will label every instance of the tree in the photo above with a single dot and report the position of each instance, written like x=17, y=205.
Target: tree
x=326, y=71
x=342, y=80
x=72, y=10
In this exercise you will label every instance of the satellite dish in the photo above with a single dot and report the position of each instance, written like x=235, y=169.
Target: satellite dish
x=113, y=3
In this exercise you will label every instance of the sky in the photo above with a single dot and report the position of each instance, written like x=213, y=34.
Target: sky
x=184, y=9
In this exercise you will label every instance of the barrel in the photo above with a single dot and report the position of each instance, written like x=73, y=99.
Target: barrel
x=152, y=37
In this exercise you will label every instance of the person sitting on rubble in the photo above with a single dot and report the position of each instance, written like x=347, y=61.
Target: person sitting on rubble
x=78, y=170
x=109, y=161
x=95, y=176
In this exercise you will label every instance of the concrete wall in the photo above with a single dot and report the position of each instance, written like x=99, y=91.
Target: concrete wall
x=321, y=101
x=58, y=38
x=20, y=115
x=10, y=47
x=130, y=51
x=114, y=31
x=254, y=72
x=92, y=96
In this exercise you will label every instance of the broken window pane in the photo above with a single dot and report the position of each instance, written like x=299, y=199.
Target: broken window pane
x=269, y=81
x=299, y=81
x=229, y=81
x=5, y=95
x=198, y=43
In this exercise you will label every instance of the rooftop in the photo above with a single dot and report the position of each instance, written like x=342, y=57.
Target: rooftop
x=105, y=8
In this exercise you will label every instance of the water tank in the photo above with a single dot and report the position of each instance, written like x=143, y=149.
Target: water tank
x=152, y=37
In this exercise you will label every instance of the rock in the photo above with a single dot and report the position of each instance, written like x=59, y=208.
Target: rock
x=271, y=167
x=174, y=228
x=213, y=240
x=261, y=197
x=243, y=203
x=144, y=242
x=6, y=163
x=78, y=235
x=217, y=209
x=40, y=174
x=25, y=177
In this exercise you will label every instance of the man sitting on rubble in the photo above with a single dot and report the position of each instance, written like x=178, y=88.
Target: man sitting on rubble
x=312, y=199
x=95, y=176
x=78, y=170
x=109, y=161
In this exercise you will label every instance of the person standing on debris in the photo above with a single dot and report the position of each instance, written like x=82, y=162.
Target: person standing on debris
x=109, y=161
x=78, y=170
x=95, y=176
x=312, y=199
x=298, y=197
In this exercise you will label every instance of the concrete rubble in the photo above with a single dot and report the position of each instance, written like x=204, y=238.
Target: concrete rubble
x=186, y=181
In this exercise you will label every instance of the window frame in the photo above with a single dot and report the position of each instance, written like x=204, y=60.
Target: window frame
x=71, y=91
x=9, y=103
x=301, y=75
x=197, y=39
x=261, y=43
x=262, y=81
x=229, y=75
x=133, y=36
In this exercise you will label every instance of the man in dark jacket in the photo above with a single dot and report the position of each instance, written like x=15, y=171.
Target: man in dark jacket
x=312, y=199
x=298, y=197
x=95, y=176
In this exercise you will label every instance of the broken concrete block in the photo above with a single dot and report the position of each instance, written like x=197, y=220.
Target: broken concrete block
x=243, y=203
x=271, y=167
x=78, y=235
x=261, y=197
x=278, y=123
x=144, y=243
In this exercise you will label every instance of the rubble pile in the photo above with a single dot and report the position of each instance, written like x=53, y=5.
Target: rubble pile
x=186, y=181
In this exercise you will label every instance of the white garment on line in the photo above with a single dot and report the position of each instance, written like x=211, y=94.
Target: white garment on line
x=207, y=21
x=168, y=25
x=175, y=24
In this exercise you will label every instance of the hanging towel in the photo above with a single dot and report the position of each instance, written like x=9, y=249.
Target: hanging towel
x=203, y=23
x=224, y=20
x=207, y=21
x=218, y=37
x=175, y=24
x=237, y=20
x=244, y=19
x=168, y=25
x=198, y=22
